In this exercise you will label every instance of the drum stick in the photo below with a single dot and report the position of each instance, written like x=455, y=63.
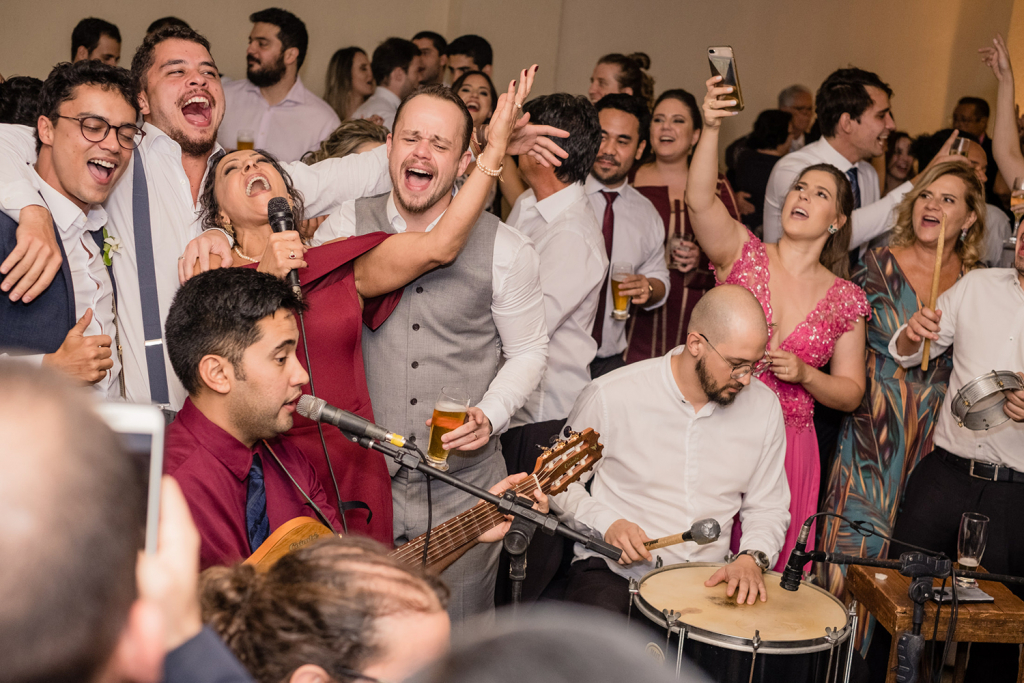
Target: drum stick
x=935, y=287
x=666, y=541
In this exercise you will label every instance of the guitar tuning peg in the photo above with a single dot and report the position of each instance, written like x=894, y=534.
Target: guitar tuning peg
x=566, y=431
x=552, y=440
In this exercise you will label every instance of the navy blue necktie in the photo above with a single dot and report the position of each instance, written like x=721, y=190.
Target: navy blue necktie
x=855, y=185
x=256, y=521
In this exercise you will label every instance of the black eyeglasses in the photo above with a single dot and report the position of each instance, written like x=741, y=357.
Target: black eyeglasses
x=95, y=129
x=743, y=369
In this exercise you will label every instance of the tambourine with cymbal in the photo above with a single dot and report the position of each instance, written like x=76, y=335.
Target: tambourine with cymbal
x=979, y=403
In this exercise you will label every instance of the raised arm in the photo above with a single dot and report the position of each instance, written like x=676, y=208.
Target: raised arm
x=1005, y=141
x=401, y=259
x=720, y=235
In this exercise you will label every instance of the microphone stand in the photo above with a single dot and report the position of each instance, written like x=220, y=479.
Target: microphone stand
x=922, y=569
x=525, y=521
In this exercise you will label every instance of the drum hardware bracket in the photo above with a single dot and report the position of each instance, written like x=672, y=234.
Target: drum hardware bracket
x=831, y=637
x=671, y=619
x=852, y=614
x=634, y=590
x=658, y=563
x=756, y=644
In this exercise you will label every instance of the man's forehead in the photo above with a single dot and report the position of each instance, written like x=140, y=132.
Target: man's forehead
x=179, y=50
x=262, y=29
x=618, y=122
x=104, y=101
x=878, y=96
x=430, y=117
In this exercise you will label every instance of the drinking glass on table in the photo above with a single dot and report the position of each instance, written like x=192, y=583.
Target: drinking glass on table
x=960, y=147
x=449, y=413
x=246, y=139
x=618, y=273
x=970, y=545
x=680, y=242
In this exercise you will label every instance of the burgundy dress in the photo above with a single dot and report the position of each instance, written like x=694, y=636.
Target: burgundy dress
x=654, y=333
x=334, y=328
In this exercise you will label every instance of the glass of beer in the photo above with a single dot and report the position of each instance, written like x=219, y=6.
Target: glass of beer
x=246, y=139
x=449, y=413
x=960, y=147
x=619, y=271
x=970, y=545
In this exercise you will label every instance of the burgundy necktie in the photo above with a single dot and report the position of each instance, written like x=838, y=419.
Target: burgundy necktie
x=608, y=228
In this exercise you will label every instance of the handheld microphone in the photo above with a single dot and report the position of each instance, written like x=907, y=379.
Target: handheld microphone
x=279, y=213
x=701, y=532
x=797, y=559
x=319, y=410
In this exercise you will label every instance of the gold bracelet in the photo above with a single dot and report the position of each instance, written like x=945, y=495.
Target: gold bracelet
x=489, y=171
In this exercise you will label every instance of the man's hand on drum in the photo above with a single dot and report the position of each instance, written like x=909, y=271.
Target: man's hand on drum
x=1014, y=406
x=630, y=538
x=745, y=580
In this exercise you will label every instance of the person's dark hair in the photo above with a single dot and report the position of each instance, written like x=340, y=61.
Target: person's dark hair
x=845, y=91
x=440, y=44
x=66, y=599
x=835, y=255
x=771, y=129
x=442, y=92
x=88, y=32
x=291, y=30
x=474, y=47
x=490, y=84
x=980, y=106
x=209, y=207
x=316, y=605
x=393, y=53
x=19, y=100
x=892, y=141
x=633, y=74
x=575, y=114
x=631, y=104
x=144, y=56
x=62, y=83
x=338, y=81
x=926, y=146
x=218, y=313
x=166, y=21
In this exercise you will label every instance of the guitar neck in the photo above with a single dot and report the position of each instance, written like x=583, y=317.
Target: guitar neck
x=460, y=530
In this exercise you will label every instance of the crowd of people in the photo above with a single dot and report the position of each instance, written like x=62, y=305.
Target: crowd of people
x=759, y=346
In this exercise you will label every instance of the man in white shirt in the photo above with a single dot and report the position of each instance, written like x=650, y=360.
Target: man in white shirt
x=633, y=230
x=85, y=137
x=397, y=68
x=687, y=436
x=271, y=103
x=855, y=119
x=982, y=318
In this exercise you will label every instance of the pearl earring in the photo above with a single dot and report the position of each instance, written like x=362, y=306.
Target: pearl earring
x=832, y=229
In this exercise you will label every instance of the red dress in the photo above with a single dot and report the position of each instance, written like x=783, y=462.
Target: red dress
x=333, y=324
x=652, y=334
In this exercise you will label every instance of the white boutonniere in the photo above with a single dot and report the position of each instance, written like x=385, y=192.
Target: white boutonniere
x=111, y=246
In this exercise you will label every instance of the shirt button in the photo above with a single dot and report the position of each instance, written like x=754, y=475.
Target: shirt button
x=415, y=364
x=419, y=290
x=415, y=326
x=412, y=439
x=412, y=402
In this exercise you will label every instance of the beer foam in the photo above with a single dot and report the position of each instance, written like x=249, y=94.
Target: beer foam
x=449, y=407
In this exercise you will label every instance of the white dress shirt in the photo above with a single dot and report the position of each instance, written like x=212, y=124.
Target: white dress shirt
x=382, y=103
x=517, y=306
x=573, y=267
x=997, y=230
x=639, y=239
x=665, y=466
x=983, y=319
x=288, y=129
x=90, y=280
x=174, y=221
x=875, y=214
x=798, y=143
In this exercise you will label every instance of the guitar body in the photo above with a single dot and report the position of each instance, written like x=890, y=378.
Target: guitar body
x=292, y=535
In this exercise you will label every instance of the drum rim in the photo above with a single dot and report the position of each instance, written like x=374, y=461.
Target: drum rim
x=789, y=647
x=979, y=420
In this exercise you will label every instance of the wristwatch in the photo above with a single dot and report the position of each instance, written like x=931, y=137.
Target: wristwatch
x=759, y=558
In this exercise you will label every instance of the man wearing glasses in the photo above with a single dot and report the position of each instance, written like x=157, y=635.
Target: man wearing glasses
x=687, y=436
x=84, y=139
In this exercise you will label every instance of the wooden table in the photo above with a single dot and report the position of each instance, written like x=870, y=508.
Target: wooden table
x=887, y=600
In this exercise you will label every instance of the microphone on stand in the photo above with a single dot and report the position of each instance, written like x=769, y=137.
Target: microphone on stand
x=797, y=559
x=279, y=213
x=701, y=532
x=319, y=410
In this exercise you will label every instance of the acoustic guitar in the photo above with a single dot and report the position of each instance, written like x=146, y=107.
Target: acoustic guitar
x=556, y=468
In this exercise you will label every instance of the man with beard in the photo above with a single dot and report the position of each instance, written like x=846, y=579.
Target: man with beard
x=271, y=103
x=686, y=436
x=397, y=68
x=633, y=230
x=476, y=324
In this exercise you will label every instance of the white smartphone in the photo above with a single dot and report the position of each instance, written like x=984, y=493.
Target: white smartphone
x=141, y=428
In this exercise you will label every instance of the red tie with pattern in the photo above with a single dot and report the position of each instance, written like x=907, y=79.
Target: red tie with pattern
x=608, y=228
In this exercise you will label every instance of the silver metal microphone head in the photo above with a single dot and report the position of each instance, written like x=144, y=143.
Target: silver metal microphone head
x=705, y=531
x=311, y=407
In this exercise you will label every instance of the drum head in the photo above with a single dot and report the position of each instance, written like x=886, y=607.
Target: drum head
x=786, y=617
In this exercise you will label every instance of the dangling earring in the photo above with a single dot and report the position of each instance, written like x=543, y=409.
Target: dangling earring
x=963, y=235
x=832, y=229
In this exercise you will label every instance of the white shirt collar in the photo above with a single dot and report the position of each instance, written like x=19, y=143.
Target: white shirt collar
x=396, y=220
x=157, y=140
x=550, y=207
x=830, y=155
x=593, y=186
x=296, y=94
x=69, y=219
x=385, y=94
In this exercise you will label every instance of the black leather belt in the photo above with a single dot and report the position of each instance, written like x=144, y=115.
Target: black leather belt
x=981, y=470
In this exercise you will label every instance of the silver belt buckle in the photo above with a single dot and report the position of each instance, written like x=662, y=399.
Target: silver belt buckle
x=995, y=473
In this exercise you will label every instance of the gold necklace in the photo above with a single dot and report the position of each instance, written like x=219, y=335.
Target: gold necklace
x=247, y=258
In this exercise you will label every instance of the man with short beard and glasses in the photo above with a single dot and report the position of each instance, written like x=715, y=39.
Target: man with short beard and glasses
x=687, y=436
x=272, y=103
x=633, y=230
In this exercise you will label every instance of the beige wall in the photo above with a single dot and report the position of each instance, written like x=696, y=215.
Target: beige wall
x=924, y=48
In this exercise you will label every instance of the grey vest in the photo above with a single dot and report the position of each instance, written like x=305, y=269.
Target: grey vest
x=441, y=334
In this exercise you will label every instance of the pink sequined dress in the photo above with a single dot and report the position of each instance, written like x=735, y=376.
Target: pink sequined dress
x=812, y=341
